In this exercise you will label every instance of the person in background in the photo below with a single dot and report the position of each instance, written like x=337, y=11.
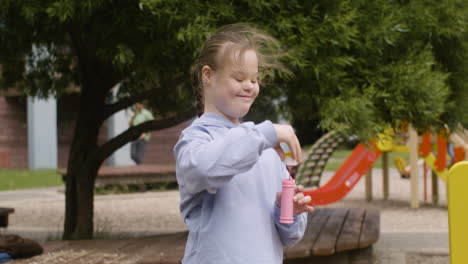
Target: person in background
x=138, y=147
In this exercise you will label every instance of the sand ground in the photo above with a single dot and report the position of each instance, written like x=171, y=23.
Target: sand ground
x=407, y=235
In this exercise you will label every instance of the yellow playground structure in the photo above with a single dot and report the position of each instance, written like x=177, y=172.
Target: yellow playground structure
x=458, y=213
x=456, y=178
x=408, y=141
x=438, y=163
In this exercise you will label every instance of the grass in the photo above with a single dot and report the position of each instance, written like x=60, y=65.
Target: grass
x=28, y=179
x=341, y=154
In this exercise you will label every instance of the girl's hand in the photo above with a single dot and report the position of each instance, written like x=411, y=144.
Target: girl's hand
x=286, y=134
x=300, y=201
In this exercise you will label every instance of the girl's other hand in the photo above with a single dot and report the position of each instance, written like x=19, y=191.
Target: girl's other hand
x=301, y=201
x=285, y=133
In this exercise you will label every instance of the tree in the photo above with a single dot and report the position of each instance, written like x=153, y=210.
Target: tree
x=359, y=66
x=96, y=45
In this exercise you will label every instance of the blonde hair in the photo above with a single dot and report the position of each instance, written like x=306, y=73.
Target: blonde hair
x=227, y=45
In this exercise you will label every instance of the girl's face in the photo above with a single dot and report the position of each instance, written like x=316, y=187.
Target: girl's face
x=231, y=90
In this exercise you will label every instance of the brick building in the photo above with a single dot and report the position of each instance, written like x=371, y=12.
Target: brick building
x=14, y=132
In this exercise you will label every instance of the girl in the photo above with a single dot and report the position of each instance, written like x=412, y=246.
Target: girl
x=230, y=173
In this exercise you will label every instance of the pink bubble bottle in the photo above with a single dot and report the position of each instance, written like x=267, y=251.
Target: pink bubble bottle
x=288, y=188
x=287, y=204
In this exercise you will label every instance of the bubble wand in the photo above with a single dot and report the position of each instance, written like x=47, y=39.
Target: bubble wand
x=288, y=189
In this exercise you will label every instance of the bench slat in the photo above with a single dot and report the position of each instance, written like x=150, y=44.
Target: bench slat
x=318, y=224
x=349, y=236
x=315, y=223
x=326, y=242
x=370, y=228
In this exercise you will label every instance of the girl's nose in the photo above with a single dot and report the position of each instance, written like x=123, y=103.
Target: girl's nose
x=249, y=86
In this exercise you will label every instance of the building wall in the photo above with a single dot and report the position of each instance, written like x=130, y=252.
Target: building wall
x=161, y=144
x=13, y=133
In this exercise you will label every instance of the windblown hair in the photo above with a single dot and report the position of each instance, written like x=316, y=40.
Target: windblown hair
x=226, y=46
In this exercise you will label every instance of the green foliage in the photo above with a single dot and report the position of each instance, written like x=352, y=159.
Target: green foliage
x=358, y=66
x=387, y=65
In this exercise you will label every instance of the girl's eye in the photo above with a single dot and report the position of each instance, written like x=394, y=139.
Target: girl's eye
x=254, y=81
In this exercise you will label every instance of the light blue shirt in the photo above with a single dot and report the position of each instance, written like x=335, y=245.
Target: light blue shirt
x=228, y=177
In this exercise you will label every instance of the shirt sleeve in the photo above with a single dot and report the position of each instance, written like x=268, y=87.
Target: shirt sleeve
x=204, y=163
x=290, y=234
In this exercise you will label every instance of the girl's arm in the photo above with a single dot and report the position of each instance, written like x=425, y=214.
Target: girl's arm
x=290, y=234
x=204, y=163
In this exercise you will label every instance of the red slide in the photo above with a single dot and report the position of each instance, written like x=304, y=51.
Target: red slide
x=357, y=164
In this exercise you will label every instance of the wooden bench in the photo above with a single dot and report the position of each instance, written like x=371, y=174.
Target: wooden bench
x=333, y=230
x=330, y=233
x=139, y=174
x=4, y=213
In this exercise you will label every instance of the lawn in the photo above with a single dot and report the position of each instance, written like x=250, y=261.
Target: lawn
x=27, y=179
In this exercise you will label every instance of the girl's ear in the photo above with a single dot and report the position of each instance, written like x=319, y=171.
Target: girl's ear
x=207, y=74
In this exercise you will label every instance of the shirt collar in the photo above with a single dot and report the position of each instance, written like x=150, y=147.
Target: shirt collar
x=216, y=120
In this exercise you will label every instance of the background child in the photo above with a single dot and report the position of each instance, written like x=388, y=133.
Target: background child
x=230, y=173
x=138, y=146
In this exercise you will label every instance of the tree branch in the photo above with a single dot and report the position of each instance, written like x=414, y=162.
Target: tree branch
x=128, y=101
x=133, y=133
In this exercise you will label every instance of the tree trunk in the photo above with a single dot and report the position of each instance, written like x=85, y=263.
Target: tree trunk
x=71, y=204
x=85, y=195
x=97, y=79
x=81, y=168
x=81, y=175
x=79, y=199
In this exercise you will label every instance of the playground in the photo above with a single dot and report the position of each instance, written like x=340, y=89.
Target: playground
x=369, y=97
x=126, y=221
